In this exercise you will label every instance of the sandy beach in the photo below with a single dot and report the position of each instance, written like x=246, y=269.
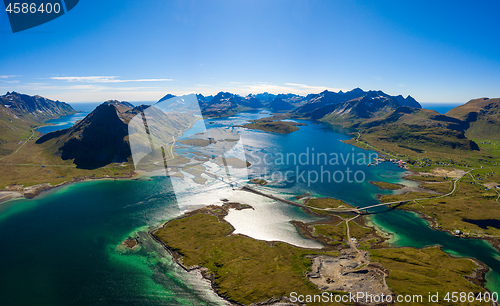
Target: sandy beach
x=8, y=195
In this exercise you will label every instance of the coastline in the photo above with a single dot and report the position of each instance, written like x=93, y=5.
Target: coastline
x=494, y=241
x=407, y=175
x=177, y=258
x=477, y=277
x=33, y=191
x=30, y=192
x=432, y=222
x=202, y=271
x=482, y=269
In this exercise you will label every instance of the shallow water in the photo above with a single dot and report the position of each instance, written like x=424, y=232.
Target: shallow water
x=64, y=248
x=62, y=123
x=65, y=245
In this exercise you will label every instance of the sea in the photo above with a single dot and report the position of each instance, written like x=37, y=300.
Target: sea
x=440, y=107
x=64, y=247
x=83, y=109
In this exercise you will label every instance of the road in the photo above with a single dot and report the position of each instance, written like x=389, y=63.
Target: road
x=357, y=210
x=28, y=139
x=349, y=240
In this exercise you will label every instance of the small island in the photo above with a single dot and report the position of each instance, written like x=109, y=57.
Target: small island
x=246, y=271
x=274, y=125
x=385, y=185
x=258, y=181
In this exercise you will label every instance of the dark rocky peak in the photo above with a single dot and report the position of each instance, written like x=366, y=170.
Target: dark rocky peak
x=140, y=108
x=325, y=92
x=118, y=103
x=222, y=95
x=356, y=90
x=166, y=97
x=377, y=93
x=201, y=98
x=279, y=105
x=225, y=98
x=38, y=107
x=252, y=102
x=265, y=97
x=409, y=101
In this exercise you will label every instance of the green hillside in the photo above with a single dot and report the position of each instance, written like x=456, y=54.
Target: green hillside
x=21, y=114
x=482, y=117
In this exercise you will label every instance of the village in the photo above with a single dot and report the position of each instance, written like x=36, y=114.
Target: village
x=400, y=163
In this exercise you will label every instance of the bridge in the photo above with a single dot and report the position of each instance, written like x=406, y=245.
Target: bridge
x=270, y=196
x=357, y=210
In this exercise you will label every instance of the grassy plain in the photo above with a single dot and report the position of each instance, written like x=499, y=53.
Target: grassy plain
x=427, y=178
x=417, y=272
x=429, y=155
x=338, y=232
x=471, y=200
x=246, y=270
x=327, y=203
x=32, y=165
x=443, y=188
x=249, y=271
x=274, y=125
x=385, y=185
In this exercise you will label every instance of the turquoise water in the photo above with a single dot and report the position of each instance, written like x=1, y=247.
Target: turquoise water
x=83, y=110
x=90, y=106
x=62, y=123
x=441, y=108
x=408, y=229
x=63, y=247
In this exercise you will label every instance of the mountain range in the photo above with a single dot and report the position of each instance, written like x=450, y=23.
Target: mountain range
x=421, y=129
x=20, y=113
x=97, y=140
x=312, y=106
x=103, y=136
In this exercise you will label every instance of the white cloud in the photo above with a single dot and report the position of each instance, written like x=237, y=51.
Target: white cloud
x=309, y=87
x=100, y=96
x=4, y=79
x=102, y=88
x=105, y=79
x=86, y=87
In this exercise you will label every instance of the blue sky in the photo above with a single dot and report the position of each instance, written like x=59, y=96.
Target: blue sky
x=436, y=51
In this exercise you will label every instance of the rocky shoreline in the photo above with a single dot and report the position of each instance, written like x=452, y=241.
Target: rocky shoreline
x=177, y=257
x=203, y=271
x=18, y=191
x=477, y=277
